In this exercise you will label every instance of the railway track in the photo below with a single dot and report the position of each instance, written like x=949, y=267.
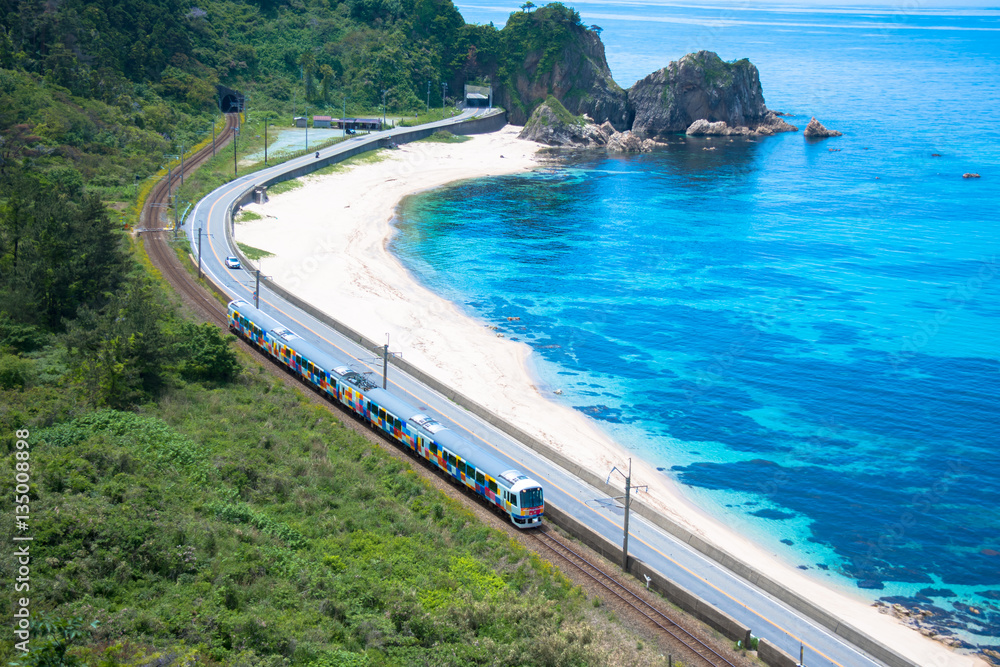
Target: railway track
x=157, y=242
x=696, y=649
x=199, y=298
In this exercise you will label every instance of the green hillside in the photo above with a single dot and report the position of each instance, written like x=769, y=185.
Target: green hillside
x=186, y=507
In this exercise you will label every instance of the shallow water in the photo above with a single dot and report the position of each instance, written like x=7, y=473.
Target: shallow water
x=802, y=333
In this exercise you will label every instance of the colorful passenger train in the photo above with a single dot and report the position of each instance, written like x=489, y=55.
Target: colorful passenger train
x=510, y=490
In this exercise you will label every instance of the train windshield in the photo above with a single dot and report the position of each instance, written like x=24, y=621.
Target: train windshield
x=531, y=497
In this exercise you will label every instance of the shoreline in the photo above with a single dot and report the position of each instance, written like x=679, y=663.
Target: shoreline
x=331, y=241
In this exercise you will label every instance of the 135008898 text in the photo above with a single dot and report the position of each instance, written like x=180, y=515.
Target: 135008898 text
x=22, y=513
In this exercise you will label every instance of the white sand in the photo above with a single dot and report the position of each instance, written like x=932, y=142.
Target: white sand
x=330, y=239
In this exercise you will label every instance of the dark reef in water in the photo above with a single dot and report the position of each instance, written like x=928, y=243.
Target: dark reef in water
x=773, y=514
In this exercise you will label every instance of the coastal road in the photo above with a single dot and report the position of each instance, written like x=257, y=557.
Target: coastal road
x=766, y=616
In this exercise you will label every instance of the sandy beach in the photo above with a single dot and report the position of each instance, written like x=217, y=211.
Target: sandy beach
x=330, y=241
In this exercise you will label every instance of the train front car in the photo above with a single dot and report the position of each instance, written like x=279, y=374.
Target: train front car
x=487, y=475
x=527, y=505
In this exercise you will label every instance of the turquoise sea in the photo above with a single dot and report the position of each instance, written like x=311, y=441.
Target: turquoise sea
x=805, y=335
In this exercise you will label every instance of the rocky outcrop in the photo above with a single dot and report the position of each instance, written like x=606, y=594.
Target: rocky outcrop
x=702, y=87
x=815, y=130
x=552, y=124
x=576, y=73
x=770, y=125
x=629, y=142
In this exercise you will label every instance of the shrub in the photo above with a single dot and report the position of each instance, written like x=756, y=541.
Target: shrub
x=207, y=354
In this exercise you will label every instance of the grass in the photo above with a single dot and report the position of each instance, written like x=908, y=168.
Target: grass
x=244, y=524
x=254, y=253
x=446, y=137
x=424, y=116
x=247, y=216
x=285, y=186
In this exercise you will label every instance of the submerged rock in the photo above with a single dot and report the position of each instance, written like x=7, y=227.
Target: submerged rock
x=815, y=130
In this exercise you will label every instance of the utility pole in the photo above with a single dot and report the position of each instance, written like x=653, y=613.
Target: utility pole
x=384, y=349
x=213, y=137
x=307, y=127
x=256, y=291
x=384, y=91
x=265, y=141
x=444, y=92
x=199, y=253
x=235, y=134
x=385, y=362
x=182, y=164
x=428, y=96
x=628, y=492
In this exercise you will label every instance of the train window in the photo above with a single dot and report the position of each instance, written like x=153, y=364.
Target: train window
x=493, y=486
x=398, y=423
x=434, y=448
x=470, y=471
x=513, y=499
x=531, y=497
x=480, y=478
x=451, y=459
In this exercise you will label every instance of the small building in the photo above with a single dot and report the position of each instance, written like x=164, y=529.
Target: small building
x=321, y=121
x=355, y=124
x=301, y=121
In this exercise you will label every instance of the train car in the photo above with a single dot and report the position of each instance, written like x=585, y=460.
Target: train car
x=292, y=351
x=508, y=489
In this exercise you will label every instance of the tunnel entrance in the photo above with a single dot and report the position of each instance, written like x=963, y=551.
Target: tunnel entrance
x=230, y=101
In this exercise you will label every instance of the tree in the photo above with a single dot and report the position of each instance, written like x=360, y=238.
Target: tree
x=208, y=356
x=307, y=61
x=598, y=29
x=528, y=6
x=121, y=351
x=327, y=72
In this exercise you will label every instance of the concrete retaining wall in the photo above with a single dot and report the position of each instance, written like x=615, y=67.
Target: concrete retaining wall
x=770, y=654
x=779, y=591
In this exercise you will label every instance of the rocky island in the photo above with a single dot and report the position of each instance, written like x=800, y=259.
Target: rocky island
x=816, y=130
x=560, y=88
x=701, y=94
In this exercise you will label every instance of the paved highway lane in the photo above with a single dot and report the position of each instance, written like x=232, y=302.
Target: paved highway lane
x=766, y=616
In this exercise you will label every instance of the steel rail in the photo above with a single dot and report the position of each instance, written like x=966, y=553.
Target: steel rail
x=622, y=592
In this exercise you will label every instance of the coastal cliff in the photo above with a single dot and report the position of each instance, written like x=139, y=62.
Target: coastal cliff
x=552, y=53
x=703, y=87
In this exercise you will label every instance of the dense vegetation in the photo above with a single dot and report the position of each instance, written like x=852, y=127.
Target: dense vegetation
x=236, y=523
x=112, y=89
x=188, y=508
x=185, y=506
